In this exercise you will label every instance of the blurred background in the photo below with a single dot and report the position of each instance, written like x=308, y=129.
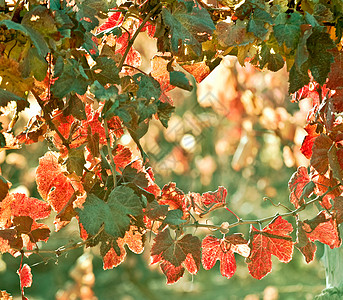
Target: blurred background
x=239, y=129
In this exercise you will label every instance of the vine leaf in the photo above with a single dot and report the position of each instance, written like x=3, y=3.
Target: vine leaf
x=133, y=239
x=306, y=247
x=257, y=21
x=173, y=253
x=4, y=187
x=174, y=197
x=300, y=186
x=207, y=201
x=214, y=249
x=199, y=70
x=322, y=228
x=335, y=77
x=307, y=144
x=287, y=29
x=189, y=24
x=25, y=276
x=320, y=59
x=35, y=37
x=319, y=159
x=338, y=209
x=57, y=189
x=115, y=214
x=180, y=80
x=274, y=239
x=6, y=97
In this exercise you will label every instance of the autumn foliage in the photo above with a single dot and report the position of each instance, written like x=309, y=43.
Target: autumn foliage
x=78, y=61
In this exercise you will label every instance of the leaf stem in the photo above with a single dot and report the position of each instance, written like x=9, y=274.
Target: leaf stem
x=131, y=41
x=109, y=150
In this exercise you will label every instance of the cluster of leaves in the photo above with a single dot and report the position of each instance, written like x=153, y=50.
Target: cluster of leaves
x=87, y=80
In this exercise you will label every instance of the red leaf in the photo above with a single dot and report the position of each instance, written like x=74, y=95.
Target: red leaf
x=338, y=209
x=199, y=70
x=274, y=239
x=297, y=184
x=309, y=250
x=306, y=147
x=323, y=183
x=115, y=19
x=323, y=228
x=5, y=296
x=172, y=253
x=25, y=276
x=16, y=204
x=319, y=159
x=121, y=156
x=207, y=201
x=335, y=77
x=214, y=249
x=159, y=70
x=338, y=100
x=58, y=189
x=133, y=239
x=173, y=197
x=172, y=273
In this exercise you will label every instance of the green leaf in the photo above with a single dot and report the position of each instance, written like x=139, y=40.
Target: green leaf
x=6, y=96
x=106, y=71
x=233, y=34
x=103, y=94
x=90, y=45
x=174, y=217
x=257, y=22
x=287, y=29
x=148, y=87
x=146, y=110
x=114, y=214
x=35, y=37
x=59, y=65
x=72, y=80
x=297, y=78
x=189, y=24
x=39, y=19
x=2, y=141
x=130, y=174
x=180, y=80
x=33, y=63
x=319, y=58
x=164, y=112
x=274, y=61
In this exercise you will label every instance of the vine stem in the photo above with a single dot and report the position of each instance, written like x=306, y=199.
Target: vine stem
x=109, y=150
x=63, y=249
x=132, y=40
x=263, y=220
x=49, y=120
x=59, y=251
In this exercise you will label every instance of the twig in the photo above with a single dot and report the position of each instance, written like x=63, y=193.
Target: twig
x=132, y=67
x=49, y=121
x=109, y=150
x=15, y=8
x=131, y=41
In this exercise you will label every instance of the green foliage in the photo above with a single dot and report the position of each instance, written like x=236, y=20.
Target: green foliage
x=114, y=213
